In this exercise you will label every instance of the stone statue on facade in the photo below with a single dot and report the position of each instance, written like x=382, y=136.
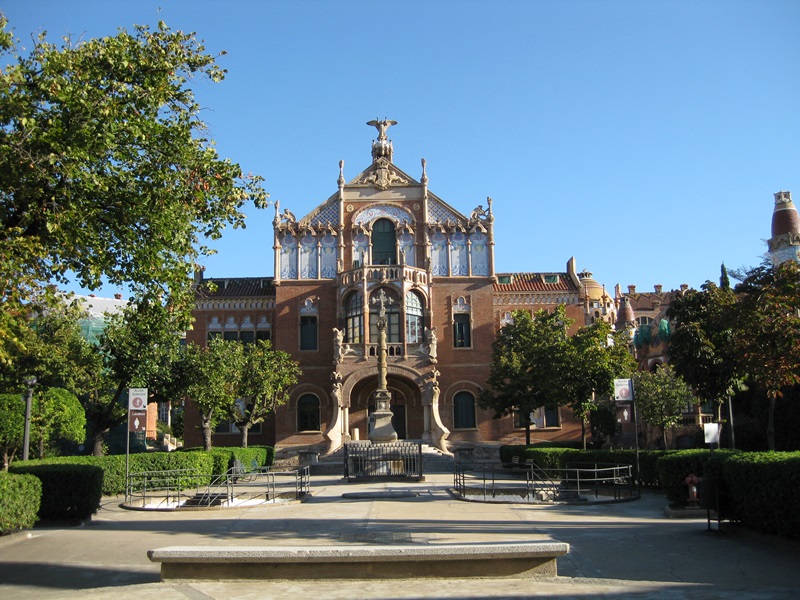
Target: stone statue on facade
x=340, y=349
x=336, y=393
x=430, y=337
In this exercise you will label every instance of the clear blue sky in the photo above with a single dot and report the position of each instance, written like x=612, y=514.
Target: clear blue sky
x=644, y=138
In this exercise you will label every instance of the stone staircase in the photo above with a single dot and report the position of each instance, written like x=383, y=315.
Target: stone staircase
x=433, y=461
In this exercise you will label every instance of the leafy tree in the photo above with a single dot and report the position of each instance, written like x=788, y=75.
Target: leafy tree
x=54, y=351
x=138, y=346
x=102, y=149
x=724, y=280
x=768, y=330
x=56, y=417
x=596, y=357
x=661, y=397
x=702, y=347
x=266, y=378
x=529, y=365
x=12, y=426
x=215, y=382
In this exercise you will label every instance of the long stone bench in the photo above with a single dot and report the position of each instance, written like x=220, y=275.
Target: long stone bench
x=534, y=559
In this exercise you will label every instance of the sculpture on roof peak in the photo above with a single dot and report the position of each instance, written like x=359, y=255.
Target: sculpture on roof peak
x=381, y=126
x=382, y=147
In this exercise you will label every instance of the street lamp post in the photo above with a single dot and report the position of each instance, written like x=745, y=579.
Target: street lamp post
x=26, y=438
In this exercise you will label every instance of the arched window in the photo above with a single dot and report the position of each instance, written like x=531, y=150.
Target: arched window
x=414, y=327
x=392, y=307
x=354, y=318
x=384, y=243
x=464, y=410
x=308, y=413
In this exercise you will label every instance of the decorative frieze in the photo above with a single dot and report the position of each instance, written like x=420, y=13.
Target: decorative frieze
x=236, y=304
x=530, y=299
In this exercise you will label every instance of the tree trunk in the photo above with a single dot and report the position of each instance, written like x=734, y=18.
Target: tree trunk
x=245, y=429
x=583, y=433
x=730, y=420
x=528, y=433
x=206, y=435
x=771, y=424
x=97, y=442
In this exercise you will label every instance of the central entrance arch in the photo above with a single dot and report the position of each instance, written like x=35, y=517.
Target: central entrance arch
x=406, y=405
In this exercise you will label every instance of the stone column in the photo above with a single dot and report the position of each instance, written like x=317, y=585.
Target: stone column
x=382, y=429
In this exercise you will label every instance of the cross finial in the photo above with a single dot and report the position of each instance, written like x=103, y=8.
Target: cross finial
x=382, y=300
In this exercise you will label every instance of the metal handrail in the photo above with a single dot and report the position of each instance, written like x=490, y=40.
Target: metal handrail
x=169, y=487
x=574, y=482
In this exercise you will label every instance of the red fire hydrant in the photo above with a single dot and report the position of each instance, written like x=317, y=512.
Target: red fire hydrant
x=692, y=480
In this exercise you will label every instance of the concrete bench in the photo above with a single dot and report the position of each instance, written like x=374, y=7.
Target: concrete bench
x=534, y=559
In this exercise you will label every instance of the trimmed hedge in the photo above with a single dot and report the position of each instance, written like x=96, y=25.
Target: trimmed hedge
x=763, y=488
x=69, y=491
x=552, y=458
x=20, y=499
x=675, y=467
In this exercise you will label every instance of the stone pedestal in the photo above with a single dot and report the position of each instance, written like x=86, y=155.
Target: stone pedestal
x=382, y=429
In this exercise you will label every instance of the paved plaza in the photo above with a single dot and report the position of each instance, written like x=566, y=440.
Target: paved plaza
x=617, y=550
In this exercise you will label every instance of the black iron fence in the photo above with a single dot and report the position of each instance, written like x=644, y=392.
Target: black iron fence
x=382, y=459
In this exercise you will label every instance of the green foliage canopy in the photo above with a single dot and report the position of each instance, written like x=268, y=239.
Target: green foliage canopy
x=106, y=169
x=661, y=397
x=529, y=364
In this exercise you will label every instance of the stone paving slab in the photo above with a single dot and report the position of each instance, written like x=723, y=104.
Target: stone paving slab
x=619, y=550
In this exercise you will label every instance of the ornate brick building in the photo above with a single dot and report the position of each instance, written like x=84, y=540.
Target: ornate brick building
x=386, y=232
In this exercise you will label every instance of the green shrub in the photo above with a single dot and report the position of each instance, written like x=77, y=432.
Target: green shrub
x=555, y=457
x=205, y=464
x=201, y=463
x=673, y=469
x=648, y=474
x=20, y=499
x=69, y=491
x=763, y=490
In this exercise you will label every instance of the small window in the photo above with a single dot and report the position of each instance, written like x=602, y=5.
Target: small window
x=551, y=278
x=384, y=243
x=308, y=413
x=464, y=411
x=504, y=279
x=354, y=318
x=414, y=327
x=231, y=336
x=461, y=331
x=214, y=334
x=247, y=337
x=263, y=335
x=644, y=321
x=545, y=416
x=308, y=333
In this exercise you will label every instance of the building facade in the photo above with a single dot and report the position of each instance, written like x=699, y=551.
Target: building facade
x=385, y=233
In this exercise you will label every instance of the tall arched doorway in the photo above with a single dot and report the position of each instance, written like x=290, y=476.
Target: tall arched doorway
x=406, y=405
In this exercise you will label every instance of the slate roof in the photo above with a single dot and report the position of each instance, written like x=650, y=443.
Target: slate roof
x=238, y=287
x=534, y=282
